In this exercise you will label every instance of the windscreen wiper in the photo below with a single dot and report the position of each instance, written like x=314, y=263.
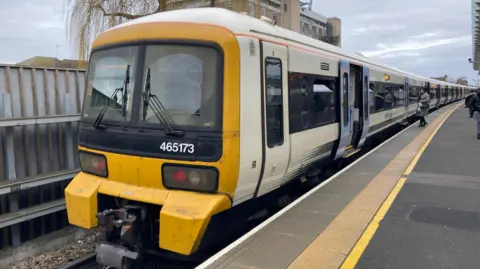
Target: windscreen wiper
x=100, y=116
x=158, y=109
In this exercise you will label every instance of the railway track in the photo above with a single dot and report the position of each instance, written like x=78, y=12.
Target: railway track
x=86, y=262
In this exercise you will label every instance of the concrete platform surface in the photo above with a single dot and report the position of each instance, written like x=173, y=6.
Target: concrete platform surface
x=434, y=222
x=319, y=230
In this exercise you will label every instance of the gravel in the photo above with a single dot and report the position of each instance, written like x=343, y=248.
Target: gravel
x=57, y=258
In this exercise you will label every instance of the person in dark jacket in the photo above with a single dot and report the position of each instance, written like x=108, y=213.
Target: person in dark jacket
x=468, y=101
x=423, y=104
x=475, y=105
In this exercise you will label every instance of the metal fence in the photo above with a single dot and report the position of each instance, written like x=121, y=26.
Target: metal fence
x=39, y=111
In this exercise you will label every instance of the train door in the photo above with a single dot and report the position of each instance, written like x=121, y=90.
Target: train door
x=406, y=95
x=275, y=134
x=365, y=106
x=344, y=122
x=439, y=97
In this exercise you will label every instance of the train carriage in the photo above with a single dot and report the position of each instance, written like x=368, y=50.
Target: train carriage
x=217, y=109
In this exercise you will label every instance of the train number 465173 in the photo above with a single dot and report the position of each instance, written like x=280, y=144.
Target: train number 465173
x=177, y=147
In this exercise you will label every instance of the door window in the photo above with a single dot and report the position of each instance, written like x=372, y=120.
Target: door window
x=366, y=94
x=345, y=99
x=274, y=101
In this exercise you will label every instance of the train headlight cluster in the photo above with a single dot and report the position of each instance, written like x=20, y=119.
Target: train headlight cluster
x=93, y=163
x=192, y=178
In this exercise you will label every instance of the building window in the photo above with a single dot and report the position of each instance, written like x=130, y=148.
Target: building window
x=301, y=27
x=317, y=33
x=274, y=101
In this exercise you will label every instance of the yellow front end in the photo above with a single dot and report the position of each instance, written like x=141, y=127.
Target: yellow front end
x=184, y=215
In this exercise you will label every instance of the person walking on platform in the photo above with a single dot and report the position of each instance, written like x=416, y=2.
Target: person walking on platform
x=423, y=104
x=468, y=101
x=475, y=106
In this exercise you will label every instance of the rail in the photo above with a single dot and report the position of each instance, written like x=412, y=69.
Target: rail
x=82, y=263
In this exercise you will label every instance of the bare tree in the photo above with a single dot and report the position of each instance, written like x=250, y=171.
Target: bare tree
x=463, y=80
x=87, y=18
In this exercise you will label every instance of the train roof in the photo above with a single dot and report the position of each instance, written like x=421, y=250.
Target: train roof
x=239, y=23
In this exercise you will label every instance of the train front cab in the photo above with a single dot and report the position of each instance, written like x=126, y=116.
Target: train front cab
x=178, y=175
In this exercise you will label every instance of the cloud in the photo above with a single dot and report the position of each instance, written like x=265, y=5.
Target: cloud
x=378, y=28
x=409, y=47
x=426, y=35
x=32, y=28
x=433, y=39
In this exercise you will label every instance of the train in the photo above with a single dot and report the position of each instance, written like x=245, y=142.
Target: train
x=191, y=115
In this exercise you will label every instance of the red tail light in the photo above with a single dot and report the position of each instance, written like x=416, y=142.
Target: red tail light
x=190, y=178
x=99, y=164
x=179, y=175
x=93, y=163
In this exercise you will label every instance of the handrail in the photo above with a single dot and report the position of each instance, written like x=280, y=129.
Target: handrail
x=12, y=122
x=9, y=186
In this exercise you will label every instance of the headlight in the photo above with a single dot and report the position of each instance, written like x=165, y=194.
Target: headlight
x=190, y=178
x=93, y=163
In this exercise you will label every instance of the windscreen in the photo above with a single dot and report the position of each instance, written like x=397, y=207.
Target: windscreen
x=185, y=79
x=106, y=84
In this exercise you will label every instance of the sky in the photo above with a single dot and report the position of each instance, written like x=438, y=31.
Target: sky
x=427, y=37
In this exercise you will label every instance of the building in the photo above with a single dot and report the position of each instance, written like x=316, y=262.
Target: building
x=290, y=14
x=476, y=34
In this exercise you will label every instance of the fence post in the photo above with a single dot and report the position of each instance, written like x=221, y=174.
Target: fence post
x=6, y=112
x=69, y=133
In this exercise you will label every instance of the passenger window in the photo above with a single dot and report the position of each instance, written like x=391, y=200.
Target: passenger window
x=367, y=97
x=311, y=101
x=413, y=94
x=400, y=96
x=379, y=96
x=323, y=99
x=389, y=98
x=304, y=114
x=274, y=101
x=345, y=99
x=371, y=97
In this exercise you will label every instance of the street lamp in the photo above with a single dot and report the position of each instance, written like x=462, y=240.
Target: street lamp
x=470, y=61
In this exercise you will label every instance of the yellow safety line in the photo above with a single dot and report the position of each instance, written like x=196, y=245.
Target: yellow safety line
x=357, y=251
x=372, y=227
x=422, y=149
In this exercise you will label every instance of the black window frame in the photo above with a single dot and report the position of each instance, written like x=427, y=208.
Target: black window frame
x=301, y=105
x=281, y=135
x=366, y=94
x=139, y=77
x=345, y=104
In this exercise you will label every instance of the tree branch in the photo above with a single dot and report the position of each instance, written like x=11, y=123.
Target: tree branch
x=118, y=14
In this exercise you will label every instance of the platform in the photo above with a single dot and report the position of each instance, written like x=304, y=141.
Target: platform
x=435, y=220
x=432, y=223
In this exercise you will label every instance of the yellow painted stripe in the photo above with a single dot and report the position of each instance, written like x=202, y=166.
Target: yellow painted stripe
x=422, y=149
x=372, y=227
x=357, y=251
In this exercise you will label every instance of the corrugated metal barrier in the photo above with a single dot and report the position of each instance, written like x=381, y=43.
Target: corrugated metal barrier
x=39, y=111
